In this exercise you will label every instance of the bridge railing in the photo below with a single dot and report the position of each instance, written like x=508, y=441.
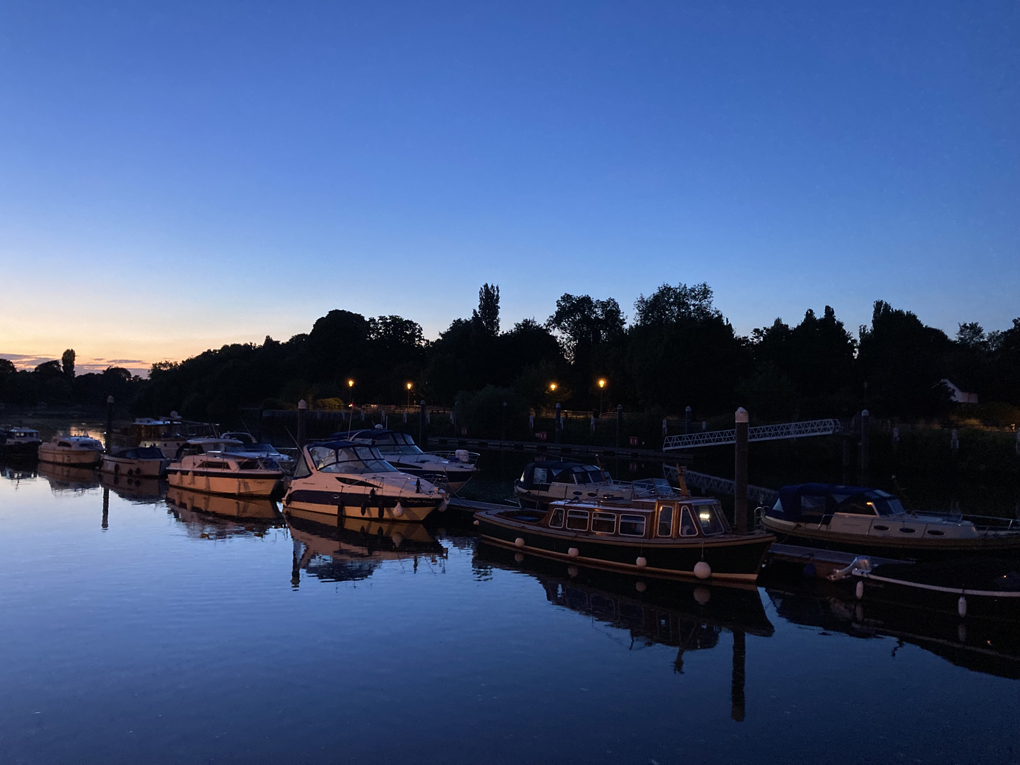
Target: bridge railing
x=785, y=430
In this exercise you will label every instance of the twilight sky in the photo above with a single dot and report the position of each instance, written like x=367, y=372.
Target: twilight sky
x=175, y=176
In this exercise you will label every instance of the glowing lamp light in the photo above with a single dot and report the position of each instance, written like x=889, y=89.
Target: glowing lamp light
x=552, y=386
x=350, y=383
x=602, y=383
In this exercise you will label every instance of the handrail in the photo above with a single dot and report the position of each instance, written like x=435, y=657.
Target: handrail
x=786, y=430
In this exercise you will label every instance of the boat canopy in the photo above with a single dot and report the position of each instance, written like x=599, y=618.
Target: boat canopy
x=387, y=441
x=140, y=453
x=543, y=473
x=347, y=457
x=811, y=502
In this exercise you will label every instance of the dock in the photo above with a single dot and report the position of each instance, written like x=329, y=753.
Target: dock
x=824, y=561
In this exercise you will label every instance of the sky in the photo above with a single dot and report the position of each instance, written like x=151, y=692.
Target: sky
x=177, y=176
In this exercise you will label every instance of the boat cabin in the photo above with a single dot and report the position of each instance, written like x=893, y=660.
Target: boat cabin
x=342, y=457
x=819, y=502
x=538, y=476
x=386, y=441
x=677, y=518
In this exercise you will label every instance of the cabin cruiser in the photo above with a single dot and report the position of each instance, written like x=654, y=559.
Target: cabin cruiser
x=140, y=461
x=679, y=537
x=216, y=444
x=19, y=442
x=222, y=472
x=344, y=479
x=548, y=481
x=82, y=451
x=870, y=521
x=449, y=469
x=169, y=434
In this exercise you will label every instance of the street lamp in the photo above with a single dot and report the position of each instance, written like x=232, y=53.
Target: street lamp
x=602, y=387
x=552, y=386
x=350, y=422
x=409, y=395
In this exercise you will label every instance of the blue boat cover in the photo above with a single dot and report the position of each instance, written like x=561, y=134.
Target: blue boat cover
x=810, y=502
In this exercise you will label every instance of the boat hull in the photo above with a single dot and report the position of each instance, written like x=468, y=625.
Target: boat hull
x=327, y=507
x=732, y=558
x=77, y=457
x=919, y=549
x=235, y=486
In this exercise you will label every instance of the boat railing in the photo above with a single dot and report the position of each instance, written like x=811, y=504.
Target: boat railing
x=452, y=456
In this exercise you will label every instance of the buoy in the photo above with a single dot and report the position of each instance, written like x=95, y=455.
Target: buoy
x=572, y=570
x=702, y=570
x=702, y=595
x=961, y=606
x=476, y=523
x=641, y=562
x=519, y=541
x=397, y=538
x=443, y=505
x=640, y=586
x=573, y=552
x=398, y=511
x=859, y=592
x=519, y=557
x=961, y=632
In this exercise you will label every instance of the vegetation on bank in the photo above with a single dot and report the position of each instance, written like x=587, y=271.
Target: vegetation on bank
x=676, y=350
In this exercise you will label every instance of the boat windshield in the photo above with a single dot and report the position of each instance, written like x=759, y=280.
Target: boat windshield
x=402, y=444
x=589, y=474
x=349, y=459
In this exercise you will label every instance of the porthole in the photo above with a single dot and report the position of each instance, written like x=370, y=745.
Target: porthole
x=880, y=528
x=907, y=530
x=936, y=533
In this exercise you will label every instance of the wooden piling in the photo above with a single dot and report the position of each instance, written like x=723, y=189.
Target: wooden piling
x=109, y=424
x=302, y=414
x=740, y=472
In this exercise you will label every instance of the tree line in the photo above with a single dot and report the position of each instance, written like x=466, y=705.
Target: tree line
x=676, y=350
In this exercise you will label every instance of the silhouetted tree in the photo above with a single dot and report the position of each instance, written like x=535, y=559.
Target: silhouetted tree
x=487, y=314
x=67, y=362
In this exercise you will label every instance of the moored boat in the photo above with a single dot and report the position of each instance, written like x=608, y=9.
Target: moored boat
x=82, y=451
x=681, y=537
x=454, y=469
x=870, y=521
x=224, y=473
x=547, y=481
x=139, y=461
x=19, y=442
x=342, y=479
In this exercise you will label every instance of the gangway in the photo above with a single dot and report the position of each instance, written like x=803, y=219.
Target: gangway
x=758, y=433
x=716, y=485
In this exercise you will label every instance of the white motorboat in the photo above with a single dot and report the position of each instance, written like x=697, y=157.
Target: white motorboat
x=219, y=472
x=452, y=469
x=71, y=450
x=140, y=461
x=343, y=479
x=551, y=481
x=19, y=442
x=253, y=448
x=169, y=434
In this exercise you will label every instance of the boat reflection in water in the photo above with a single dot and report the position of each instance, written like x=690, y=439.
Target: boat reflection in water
x=685, y=615
x=139, y=491
x=354, y=549
x=980, y=645
x=18, y=468
x=217, y=516
x=69, y=478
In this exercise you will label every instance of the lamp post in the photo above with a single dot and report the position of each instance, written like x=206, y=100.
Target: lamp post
x=409, y=395
x=350, y=422
x=602, y=388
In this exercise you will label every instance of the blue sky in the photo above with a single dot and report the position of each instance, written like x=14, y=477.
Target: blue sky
x=176, y=176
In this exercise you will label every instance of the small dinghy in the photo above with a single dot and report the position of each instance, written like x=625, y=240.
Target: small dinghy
x=139, y=461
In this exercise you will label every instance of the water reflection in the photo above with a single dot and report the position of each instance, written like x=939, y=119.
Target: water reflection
x=988, y=646
x=140, y=491
x=687, y=616
x=213, y=516
x=18, y=470
x=354, y=549
x=69, y=478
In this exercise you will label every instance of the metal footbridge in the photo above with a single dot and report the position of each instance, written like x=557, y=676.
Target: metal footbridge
x=758, y=433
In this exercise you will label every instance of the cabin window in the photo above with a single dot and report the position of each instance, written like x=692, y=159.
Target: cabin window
x=577, y=520
x=556, y=519
x=64, y=443
x=541, y=475
x=688, y=528
x=209, y=465
x=665, y=527
x=604, y=523
x=632, y=525
x=710, y=523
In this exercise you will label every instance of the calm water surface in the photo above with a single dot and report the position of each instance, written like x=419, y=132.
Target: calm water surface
x=140, y=628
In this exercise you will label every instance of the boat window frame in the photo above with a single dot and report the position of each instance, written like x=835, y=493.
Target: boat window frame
x=556, y=511
x=577, y=514
x=688, y=510
x=634, y=518
x=671, y=507
x=595, y=517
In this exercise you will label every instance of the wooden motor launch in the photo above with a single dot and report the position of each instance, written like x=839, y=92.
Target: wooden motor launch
x=225, y=473
x=338, y=479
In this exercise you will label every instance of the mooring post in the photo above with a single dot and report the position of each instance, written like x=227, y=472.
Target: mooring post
x=302, y=413
x=737, y=677
x=559, y=421
x=423, y=435
x=619, y=416
x=865, y=417
x=687, y=420
x=740, y=473
x=502, y=423
x=109, y=424
x=106, y=508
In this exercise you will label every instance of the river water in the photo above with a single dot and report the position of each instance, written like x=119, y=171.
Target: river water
x=136, y=627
